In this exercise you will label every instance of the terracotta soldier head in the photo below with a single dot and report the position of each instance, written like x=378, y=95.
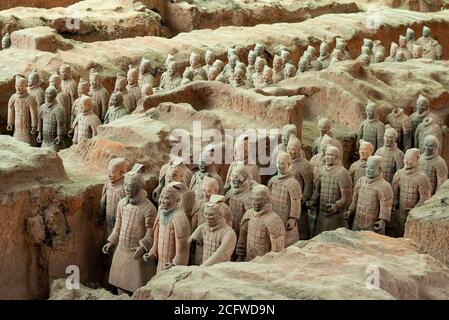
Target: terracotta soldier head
x=294, y=147
x=284, y=161
x=400, y=57
x=6, y=41
x=120, y=83
x=83, y=87
x=209, y=57
x=390, y=136
x=210, y=186
x=411, y=158
x=285, y=56
x=55, y=81
x=213, y=73
x=371, y=110
x=303, y=64
x=175, y=173
x=252, y=56
x=277, y=62
x=116, y=99
x=195, y=60
x=368, y=43
x=289, y=71
x=260, y=197
x=86, y=104
x=50, y=95
x=410, y=34
x=117, y=168
x=402, y=42
x=94, y=79
x=324, y=49
x=231, y=52
x=233, y=59
x=422, y=104
x=267, y=75
x=145, y=66
x=133, y=75
x=332, y=156
x=426, y=32
x=239, y=76
x=324, y=125
x=260, y=64
x=172, y=68
x=259, y=49
x=169, y=59
x=170, y=195
x=147, y=90
x=364, y=59
x=65, y=71
x=240, y=177
x=312, y=51
x=133, y=184
x=366, y=149
x=34, y=79
x=365, y=50
x=373, y=167
x=188, y=74
x=219, y=65
x=287, y=130
x=214, y=212
x=431, y=145
x=417, y=51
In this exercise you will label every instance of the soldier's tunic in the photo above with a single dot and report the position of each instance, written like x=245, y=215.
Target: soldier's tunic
x=196, y=184
x=257, y=80
x=250, y=71
x=128, y=101
x=426, y=128
x=286, y=197
x=332, y=186
x=38, y=93
x=170, y=82
x=372, y=130
x=303, y=172
x=253, y=170
x=111, y=195
x=411, y=188
x=372, y=200
x=278, y=75
x=115, y=112
x=147, y=78
x=402, y=124
x=70, y=87
x=64, y=101
x=171, y=232
x=218, y=242
x=239, y=202
x=261, y=232
x=410, y=44
x=133, y=228
x=431, y=48
x=101, y=97
x=23, y=114
x=406, y=52
x=198, y=73
x=135, y=93
x=357, y=170
x=392, y=161
x=76, y=110
x=435, y=168
x=51, y=125
x=85, y=126
x=416, y=119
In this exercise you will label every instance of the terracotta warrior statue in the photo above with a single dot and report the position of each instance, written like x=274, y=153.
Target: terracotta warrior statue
x=209, y=187
x=116, y=108
x=324, y=57
x=261, y=230
x=432, y=164
x=187, y=175
x=341, y=45
x=358, y=168
x=325, y=127
x=197, y=69
x=332, y=192
x=22, y=113
x=68, y=84
x=242, y=156
x=431, y=47
x=417, y=51
x=303, y=172
x=35, y=89
x=239, y=79
x=289, y=71
x=372, y=129
x=378, y=48
x=171, y=231
x=410, y=35
x=147, y=92
x=133, y=84
x=206, y=167
x=62, y=97
x=216, y=238
x=411, y=188
x=172, y=79
x=209, y=58
x=83, y=90
x=315, y=63
x=303, y=66
x=146, y=73
x=187, y=77
x=267, y=78
x=98, y=94
x=51, y=126
x=393, y=50
x=278, y=70
x=392, y=156
x=132, y=236
x=403, y=48
x=113, y=192
x=379, y=57
x=336, y=56
x=428, y=127
x=403, y=126
x=229, y=68
x=239, y=195
x=86, y=123
x=372, y=200
x=257, y=78
x=121, y=84
x=422, y=112
x=286, y=197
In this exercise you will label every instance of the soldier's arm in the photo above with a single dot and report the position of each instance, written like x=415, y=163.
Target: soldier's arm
x=150, y=217
x=11, y=111
x=243, y=234
x=197, y=235
x=102, y=213
x=386, y=197
x=395, y=183
x=40, y=122
x=153, y=249
x=399, y=159
x=424, y=190
x=32, y=104
x=380, y=135
x=407, y=130
x=114, y=237
x=61, y=123
x=94, y=123
x=355, y=196
x=277, y=234
x=359, y=136
x=182, y=233
x=104, y=104
x=295, y=202
x=308, y=182
x=225, y=250
x=345, y=184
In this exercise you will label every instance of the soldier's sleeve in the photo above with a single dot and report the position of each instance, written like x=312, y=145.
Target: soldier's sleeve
x=345, y=184
x=307, y=175
x=316, y=188
x=11, y=110
x=395, y=183
x=386, y=197
x=315, y=147
x=442, y=172
x=276, y=230
x=104, y=103
x=188, y=202
x=295, y=200
x=399, y=159
x=39, y=120
x=220, y=184
x=352, y=170
x=102, y=213
x=243, y=234
x=380, y=135
x=355, y=195
x=182, y=234
x=75, y=130
x=94, y=123
x=225, y=250
x=153, y=249
x=416, y=137
x=106, y=117
x=424, y=189
x=359, y=136
x=228, y=215
x=407, y=130
x=150, y=217
x=197, y=235
x=114, y=237
x=32, y=104
x=61, y=123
